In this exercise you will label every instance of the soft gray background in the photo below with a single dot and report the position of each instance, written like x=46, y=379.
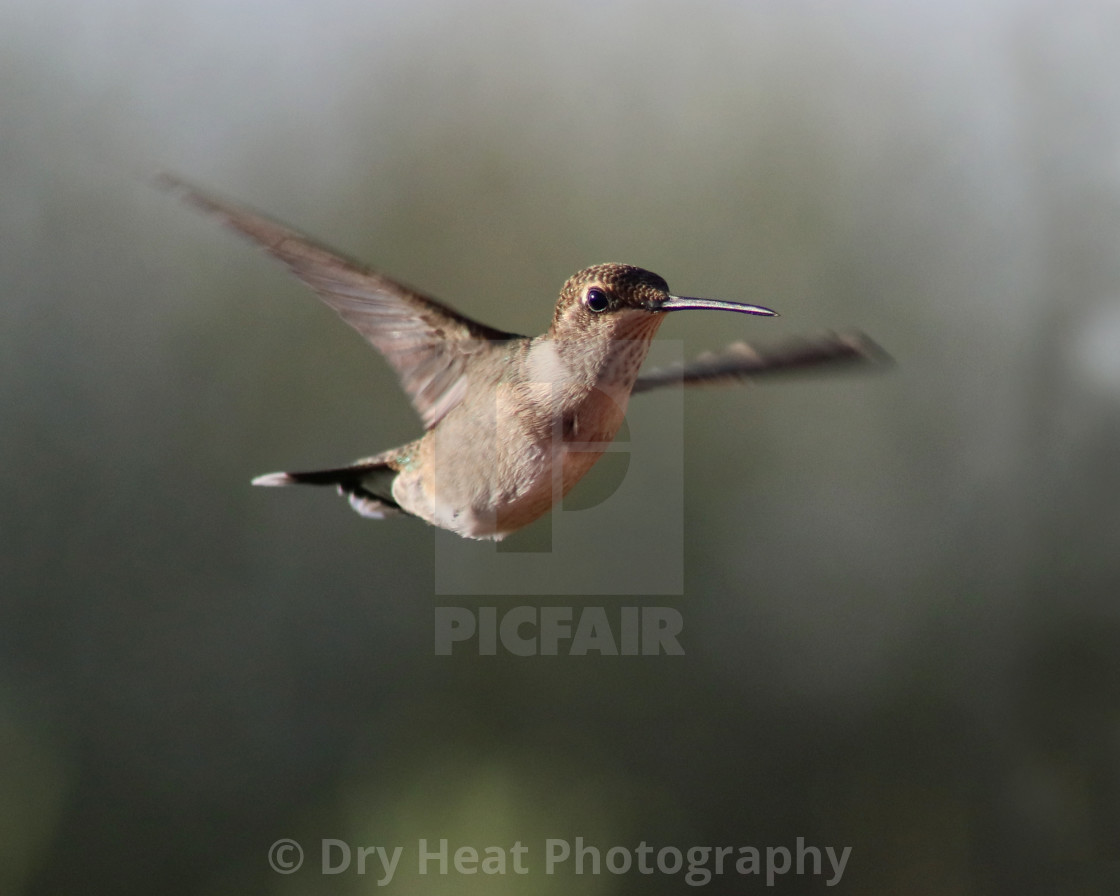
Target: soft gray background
x=902, y=592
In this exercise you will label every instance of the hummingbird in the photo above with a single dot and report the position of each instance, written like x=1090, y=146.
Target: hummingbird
x=511, y=422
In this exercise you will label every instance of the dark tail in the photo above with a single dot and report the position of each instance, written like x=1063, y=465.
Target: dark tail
x=368, y=486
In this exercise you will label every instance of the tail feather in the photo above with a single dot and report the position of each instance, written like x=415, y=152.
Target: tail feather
x=368, y=486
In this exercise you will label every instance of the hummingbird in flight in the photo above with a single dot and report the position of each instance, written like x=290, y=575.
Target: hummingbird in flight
x=511, y=422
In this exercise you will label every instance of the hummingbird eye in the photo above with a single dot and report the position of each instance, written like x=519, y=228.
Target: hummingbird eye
x=596, y=300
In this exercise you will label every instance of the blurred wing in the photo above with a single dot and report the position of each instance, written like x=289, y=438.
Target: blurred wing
x=740, y=362
x=426, y=342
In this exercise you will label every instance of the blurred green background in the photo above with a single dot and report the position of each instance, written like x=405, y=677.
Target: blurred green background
x=902, y=592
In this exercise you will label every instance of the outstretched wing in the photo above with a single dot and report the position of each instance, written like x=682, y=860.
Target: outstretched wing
x=740, y=361
x=426, y=342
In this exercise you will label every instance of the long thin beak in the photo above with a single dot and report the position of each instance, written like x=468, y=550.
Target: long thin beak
x=684, y=303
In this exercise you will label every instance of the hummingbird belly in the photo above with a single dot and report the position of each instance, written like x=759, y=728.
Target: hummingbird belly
x=499, y=477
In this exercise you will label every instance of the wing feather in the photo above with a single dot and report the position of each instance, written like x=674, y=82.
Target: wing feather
x=740, y=361
x=426, y=342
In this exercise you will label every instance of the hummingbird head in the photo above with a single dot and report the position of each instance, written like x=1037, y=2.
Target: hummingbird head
x=625, y=302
